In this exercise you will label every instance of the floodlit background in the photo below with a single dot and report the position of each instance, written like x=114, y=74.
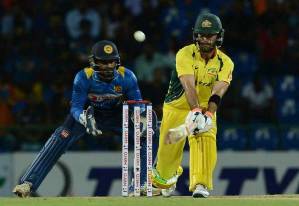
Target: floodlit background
x=43, y=43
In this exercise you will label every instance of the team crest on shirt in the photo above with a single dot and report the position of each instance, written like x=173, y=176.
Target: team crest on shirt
x=118, y=88
x=212, y=71
x=206, y=24
x=108, y=49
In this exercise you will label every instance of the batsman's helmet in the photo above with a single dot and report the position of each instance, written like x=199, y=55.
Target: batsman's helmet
x=104, y=51
x=208, y=23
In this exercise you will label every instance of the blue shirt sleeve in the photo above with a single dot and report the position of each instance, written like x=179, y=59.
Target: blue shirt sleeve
x=79, y=94
x=132, y=91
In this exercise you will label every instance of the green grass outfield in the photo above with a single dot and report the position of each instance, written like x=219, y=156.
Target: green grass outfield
x=268, y=200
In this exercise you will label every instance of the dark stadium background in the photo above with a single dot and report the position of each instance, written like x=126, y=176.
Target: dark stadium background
x=41, y=50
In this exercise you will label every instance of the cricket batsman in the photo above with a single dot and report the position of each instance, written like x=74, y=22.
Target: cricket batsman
x=202, y=76
x=96, y=109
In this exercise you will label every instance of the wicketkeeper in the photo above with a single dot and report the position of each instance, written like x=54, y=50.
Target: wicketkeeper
x=96, y=108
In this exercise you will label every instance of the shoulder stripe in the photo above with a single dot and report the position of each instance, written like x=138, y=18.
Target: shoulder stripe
x=175, y=90
x=221, y=62
x=121, y=70
x=88, y=72
x=221, y=65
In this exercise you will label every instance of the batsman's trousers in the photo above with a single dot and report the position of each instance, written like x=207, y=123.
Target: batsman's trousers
x=203, y=152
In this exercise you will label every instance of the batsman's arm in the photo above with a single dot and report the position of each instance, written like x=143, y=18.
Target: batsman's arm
x=195, y=119
x=185, y=73
x=194, y=116
x=176, y=134
x=188, y=83
x=219, y=89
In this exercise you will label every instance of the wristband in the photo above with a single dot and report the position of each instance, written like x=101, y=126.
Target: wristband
x=216, y=99
x=197, y=109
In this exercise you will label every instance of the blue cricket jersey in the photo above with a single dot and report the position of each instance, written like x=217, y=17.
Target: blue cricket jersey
x=88, y=89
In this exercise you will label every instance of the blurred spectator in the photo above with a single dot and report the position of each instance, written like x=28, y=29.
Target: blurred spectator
x=148, y=22
x=56, y=37
x=293, y=37
x=114, y=19
x=82, y=12
x=81, y=46
x=239, y=22
x=258, y=101
x=7, y=140
x=147, y=62
x=6, y=117
x=44, y=45
x=259, y=6
x=15, y=22
x=156, y=89
x=273, y=38
x=273, y=45
x=135, y=6
x=231, y=107
x=175, y=22
x=289, y=108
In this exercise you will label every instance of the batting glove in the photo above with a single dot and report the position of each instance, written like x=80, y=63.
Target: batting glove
x=88, y=121
x=195, y=121
x=207, y=122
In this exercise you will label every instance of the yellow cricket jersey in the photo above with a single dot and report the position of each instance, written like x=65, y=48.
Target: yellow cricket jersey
x=189, y=61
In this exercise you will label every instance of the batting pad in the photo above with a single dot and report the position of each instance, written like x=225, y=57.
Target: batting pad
x=203, y=157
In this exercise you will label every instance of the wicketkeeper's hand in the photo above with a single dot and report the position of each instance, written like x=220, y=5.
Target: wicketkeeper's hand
x=87, y=119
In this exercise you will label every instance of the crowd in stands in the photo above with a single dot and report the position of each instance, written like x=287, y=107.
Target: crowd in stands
x=45, y=42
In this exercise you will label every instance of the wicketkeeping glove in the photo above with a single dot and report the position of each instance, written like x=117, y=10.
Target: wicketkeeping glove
x=87, y=119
